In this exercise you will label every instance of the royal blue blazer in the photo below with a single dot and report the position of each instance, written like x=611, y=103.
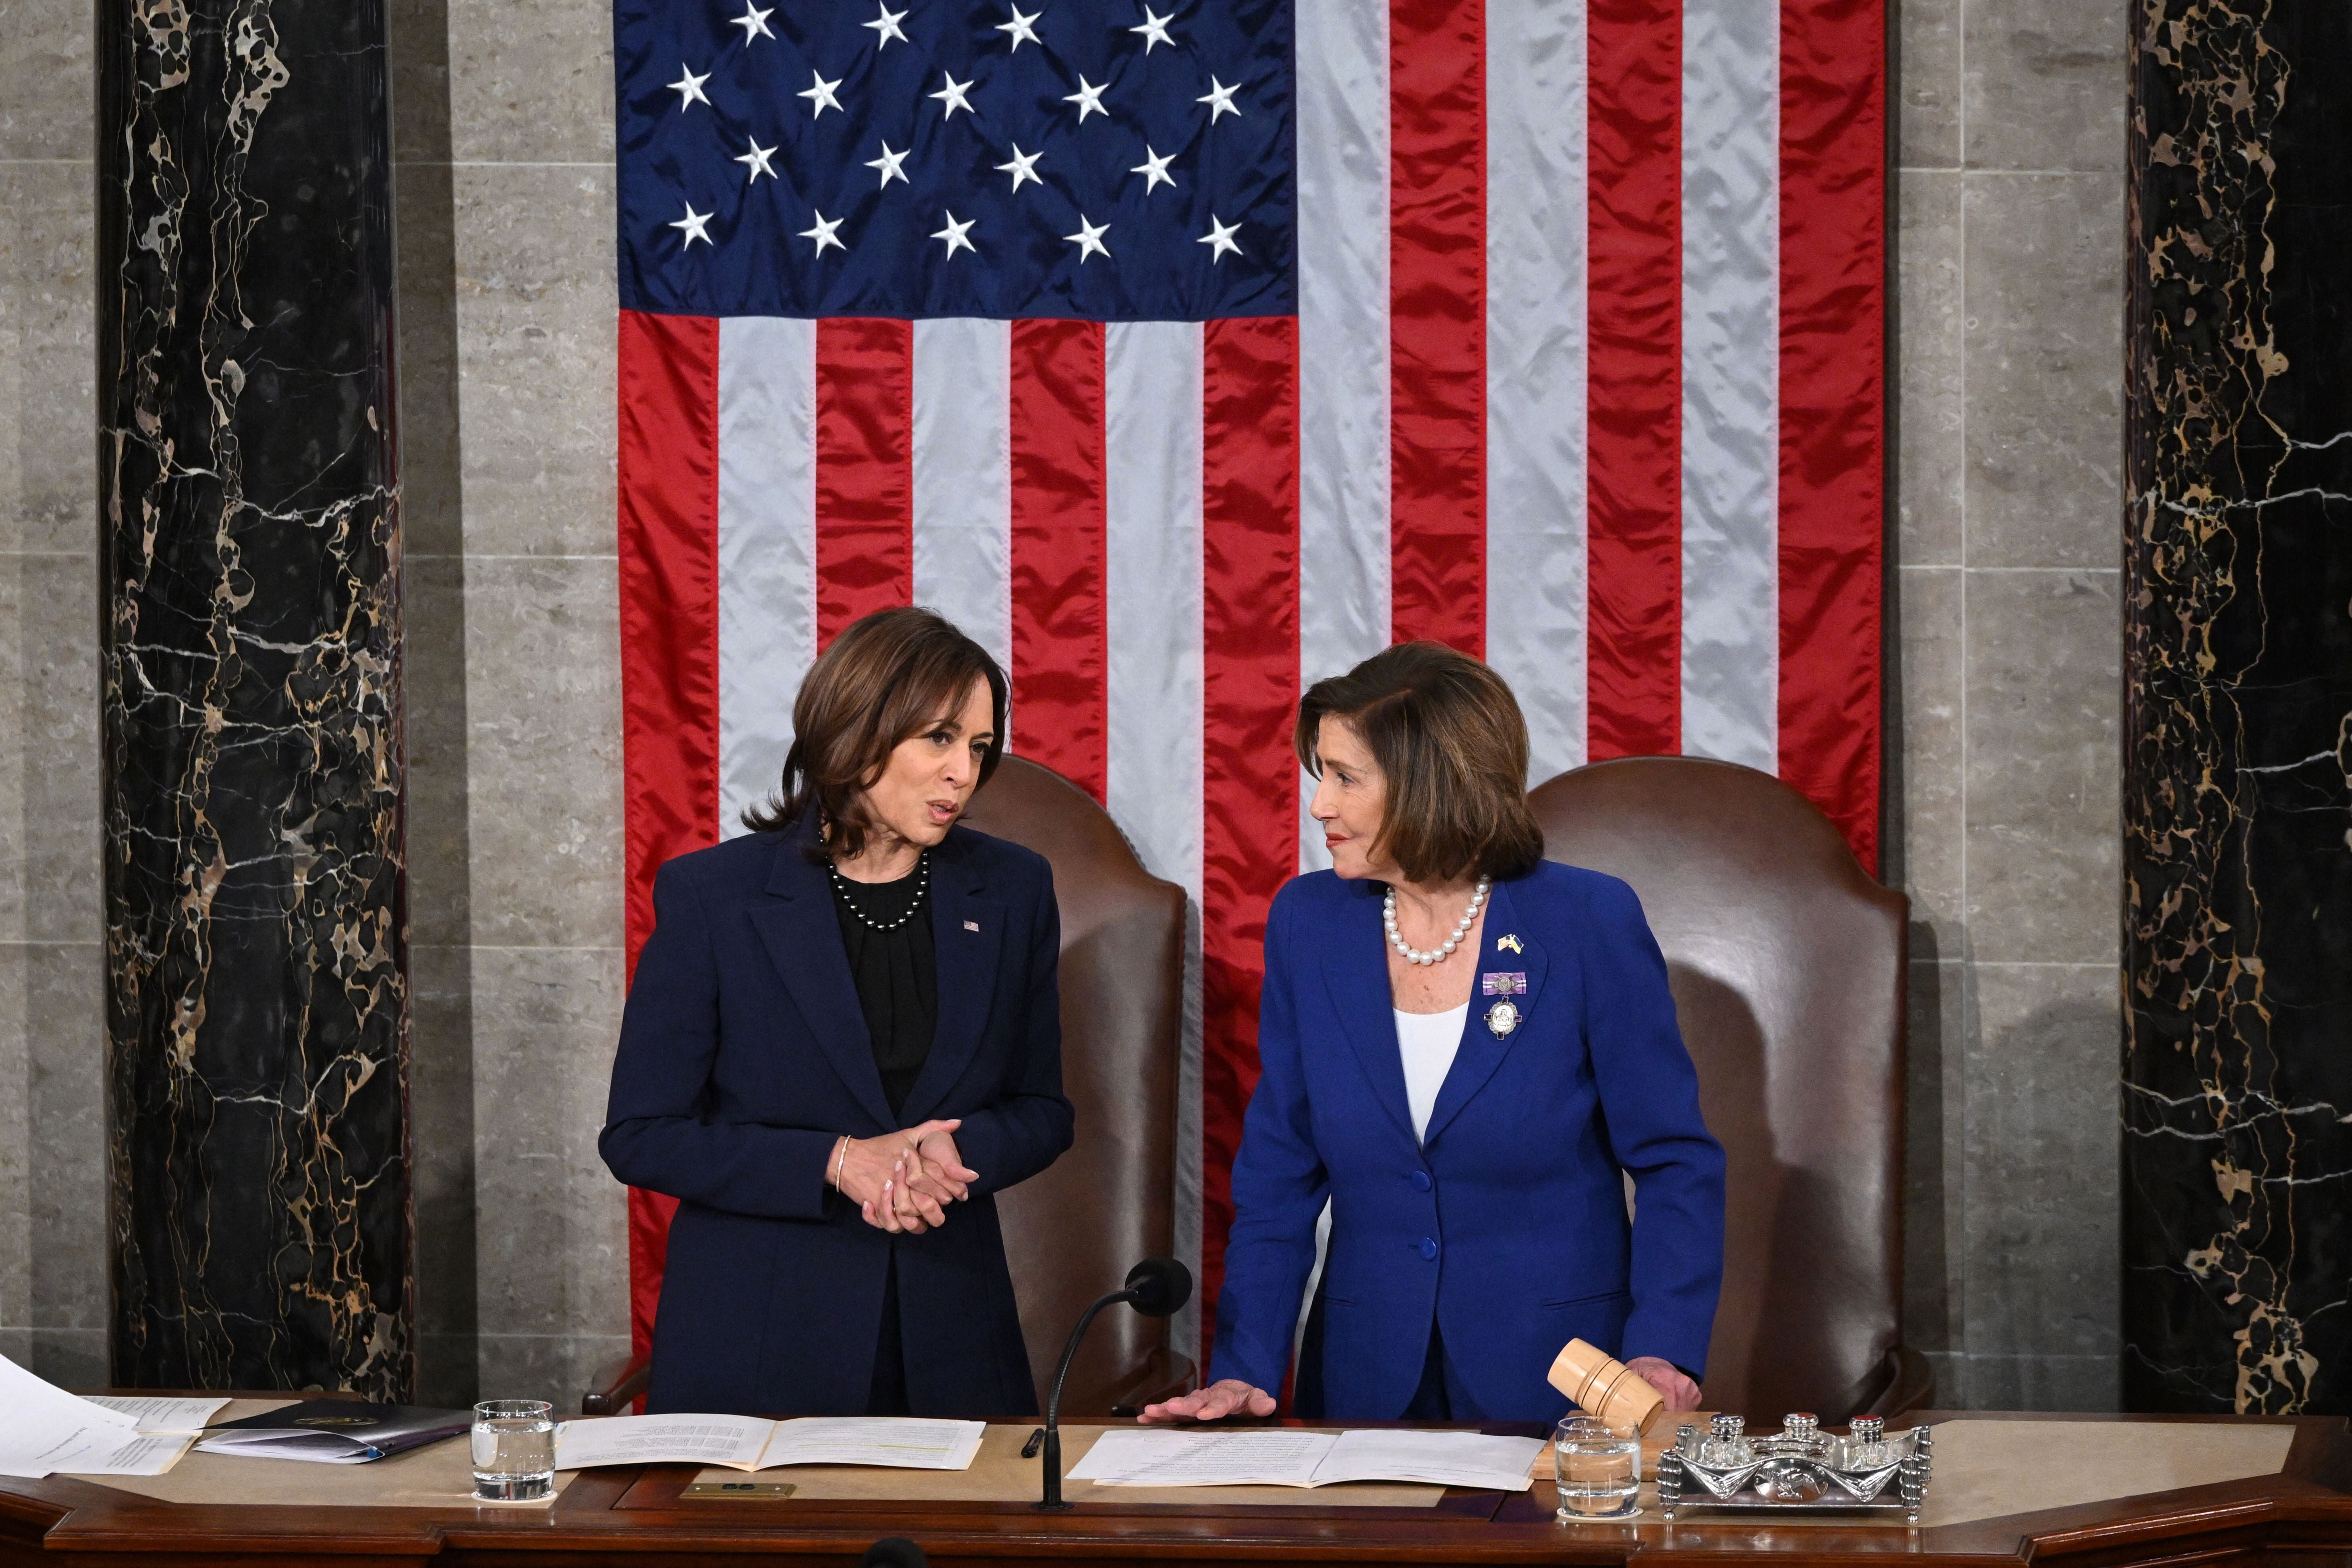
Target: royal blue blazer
x=744, y=1058
x=1506, y=1227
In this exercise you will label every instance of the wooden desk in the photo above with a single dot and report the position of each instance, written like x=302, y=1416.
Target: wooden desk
x=2301, y=1518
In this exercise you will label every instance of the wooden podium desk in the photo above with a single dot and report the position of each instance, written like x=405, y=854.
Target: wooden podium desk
x=2298, y=1515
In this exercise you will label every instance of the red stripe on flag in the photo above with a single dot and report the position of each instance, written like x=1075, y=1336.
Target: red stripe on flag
x=1833, y=408
x=865, y=469
x=1437, y=314
x=669, y=473
x=1061, y=648
x=1249, y=808
x=1633, y=540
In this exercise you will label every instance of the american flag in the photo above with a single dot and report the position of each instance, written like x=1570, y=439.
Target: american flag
x=1186, y=350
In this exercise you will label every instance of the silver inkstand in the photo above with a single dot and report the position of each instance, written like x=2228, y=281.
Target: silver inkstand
x=1799, y=1470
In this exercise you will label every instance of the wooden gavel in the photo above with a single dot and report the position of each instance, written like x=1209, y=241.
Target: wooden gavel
x=1604, y=1387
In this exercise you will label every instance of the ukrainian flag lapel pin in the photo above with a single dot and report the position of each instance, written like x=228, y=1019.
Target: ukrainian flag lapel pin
x=1508, y=945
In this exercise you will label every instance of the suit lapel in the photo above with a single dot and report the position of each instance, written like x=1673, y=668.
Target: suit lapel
x=803, y=936
x=1356, y=973
x=1481, y=1051
x=967, y=935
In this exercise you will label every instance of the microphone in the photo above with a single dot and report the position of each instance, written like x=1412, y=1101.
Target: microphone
x=893, y=1551
x=1157, y=1287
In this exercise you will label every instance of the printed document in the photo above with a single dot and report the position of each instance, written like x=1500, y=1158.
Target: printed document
x=48, y=1431
x=156, y=1412
x=1273, y=1457
x=748, y=1442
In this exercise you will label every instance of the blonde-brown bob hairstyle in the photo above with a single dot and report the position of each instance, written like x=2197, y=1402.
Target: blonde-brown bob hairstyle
x=890, y=676
x=1452, y=747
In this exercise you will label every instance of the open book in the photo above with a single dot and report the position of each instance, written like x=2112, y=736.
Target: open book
x=1287, y=1456
x=749, y=1443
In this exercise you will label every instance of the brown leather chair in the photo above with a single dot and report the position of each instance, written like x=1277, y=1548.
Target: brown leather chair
x=1072, y=1233
x=1787, y=964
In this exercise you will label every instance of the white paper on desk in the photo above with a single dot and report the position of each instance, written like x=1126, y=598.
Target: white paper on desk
x=734, y=1441
x=44, y=1429
x=146, y=1454
x=163, y=1412
x=1141, y=1456
x=1439, y=1459
x=898, y=1443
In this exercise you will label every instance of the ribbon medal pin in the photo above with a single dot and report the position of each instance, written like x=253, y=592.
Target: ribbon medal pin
x=1504, y=1016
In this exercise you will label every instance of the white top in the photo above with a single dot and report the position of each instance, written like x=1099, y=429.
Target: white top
x=1427, y=1041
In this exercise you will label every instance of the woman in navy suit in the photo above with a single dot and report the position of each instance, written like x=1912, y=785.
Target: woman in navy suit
x=1465, y=1050
x=843, y=1038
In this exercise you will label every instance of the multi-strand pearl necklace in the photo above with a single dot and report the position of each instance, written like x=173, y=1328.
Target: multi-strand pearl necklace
x=922, y=881
x=1413, y=955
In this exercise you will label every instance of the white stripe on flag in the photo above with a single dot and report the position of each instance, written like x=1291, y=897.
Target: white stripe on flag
x=767, y=549
x=1343, y=345
x=1535, y=369
x=1153, y=597
x=963, y=477
x=1731, y=370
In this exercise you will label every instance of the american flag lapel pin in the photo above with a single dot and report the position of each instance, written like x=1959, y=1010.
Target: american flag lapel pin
x=971, y=925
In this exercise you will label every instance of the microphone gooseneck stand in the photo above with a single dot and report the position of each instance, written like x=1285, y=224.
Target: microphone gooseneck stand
x=1157, y=1287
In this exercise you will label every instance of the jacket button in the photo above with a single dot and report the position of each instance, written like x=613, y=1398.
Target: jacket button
x=1428, y=1249
x=1421, y=1181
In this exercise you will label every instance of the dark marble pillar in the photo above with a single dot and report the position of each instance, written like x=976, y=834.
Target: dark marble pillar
x=2238, y=775
x=256, y=923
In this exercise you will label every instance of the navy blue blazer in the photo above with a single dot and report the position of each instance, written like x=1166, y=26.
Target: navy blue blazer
x=744, y=1058
x=1507, y=1227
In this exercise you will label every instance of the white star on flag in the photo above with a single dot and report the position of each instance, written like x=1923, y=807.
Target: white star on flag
x=1219, y=99
x=1022, y=28
x=757, y=161
x=821, y=98
x=1220, y=239
x=1022, y=167
x=754, y=23
x=1089, y=98
x=1088, y=239
x=886, y=27
x=952, y=95
x=697, y=227
x=1154, y=169
x=954, y=234
x=1155, y=29
x=823, y=234
x=689, y=87
x=890, y=165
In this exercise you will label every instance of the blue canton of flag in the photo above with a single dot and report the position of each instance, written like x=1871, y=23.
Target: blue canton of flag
x=1094, y=159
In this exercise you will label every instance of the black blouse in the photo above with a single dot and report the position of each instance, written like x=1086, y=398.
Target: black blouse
x=895, y=971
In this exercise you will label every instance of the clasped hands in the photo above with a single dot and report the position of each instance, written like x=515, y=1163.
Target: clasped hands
x=904, y=1181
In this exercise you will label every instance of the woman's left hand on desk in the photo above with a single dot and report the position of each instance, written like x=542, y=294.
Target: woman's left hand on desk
x=1680, y=1391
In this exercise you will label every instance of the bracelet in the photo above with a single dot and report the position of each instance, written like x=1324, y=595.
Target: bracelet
x=840, y=1157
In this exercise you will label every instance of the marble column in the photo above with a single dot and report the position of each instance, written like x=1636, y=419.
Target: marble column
x=256, y=927
x=2237, y=763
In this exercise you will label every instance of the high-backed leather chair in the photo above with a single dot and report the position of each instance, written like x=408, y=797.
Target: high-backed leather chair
x=1787, y=964
x=1072, y=1233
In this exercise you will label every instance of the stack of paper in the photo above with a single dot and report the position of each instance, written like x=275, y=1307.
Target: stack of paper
x=1278, y=1456
x=749, y=1443
x=46, y=1431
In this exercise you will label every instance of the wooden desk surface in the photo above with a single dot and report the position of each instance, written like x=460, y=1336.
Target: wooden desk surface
x=2300, y=1518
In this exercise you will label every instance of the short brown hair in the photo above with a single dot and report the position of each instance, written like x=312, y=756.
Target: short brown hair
x=888, y=678
x=1453, y=747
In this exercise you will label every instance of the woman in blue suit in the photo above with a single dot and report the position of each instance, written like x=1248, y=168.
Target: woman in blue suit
x=843, y=1037
x=1465, y=1050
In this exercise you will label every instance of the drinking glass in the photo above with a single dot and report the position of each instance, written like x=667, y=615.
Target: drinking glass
x=1598, y=1469
x=514, y=1450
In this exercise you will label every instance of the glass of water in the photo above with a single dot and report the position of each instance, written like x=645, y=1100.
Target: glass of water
x=1598, y=1470
x=514, y=1450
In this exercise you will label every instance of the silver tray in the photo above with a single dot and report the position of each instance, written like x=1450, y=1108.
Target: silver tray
x=1686, y=1486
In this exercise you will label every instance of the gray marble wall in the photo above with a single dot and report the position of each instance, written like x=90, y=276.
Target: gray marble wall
x=2003, y=801
x=2005, y=819
x=52, y=1136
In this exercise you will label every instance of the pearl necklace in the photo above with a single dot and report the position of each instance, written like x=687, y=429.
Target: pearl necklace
x=922, y=881
x=1435, y=955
